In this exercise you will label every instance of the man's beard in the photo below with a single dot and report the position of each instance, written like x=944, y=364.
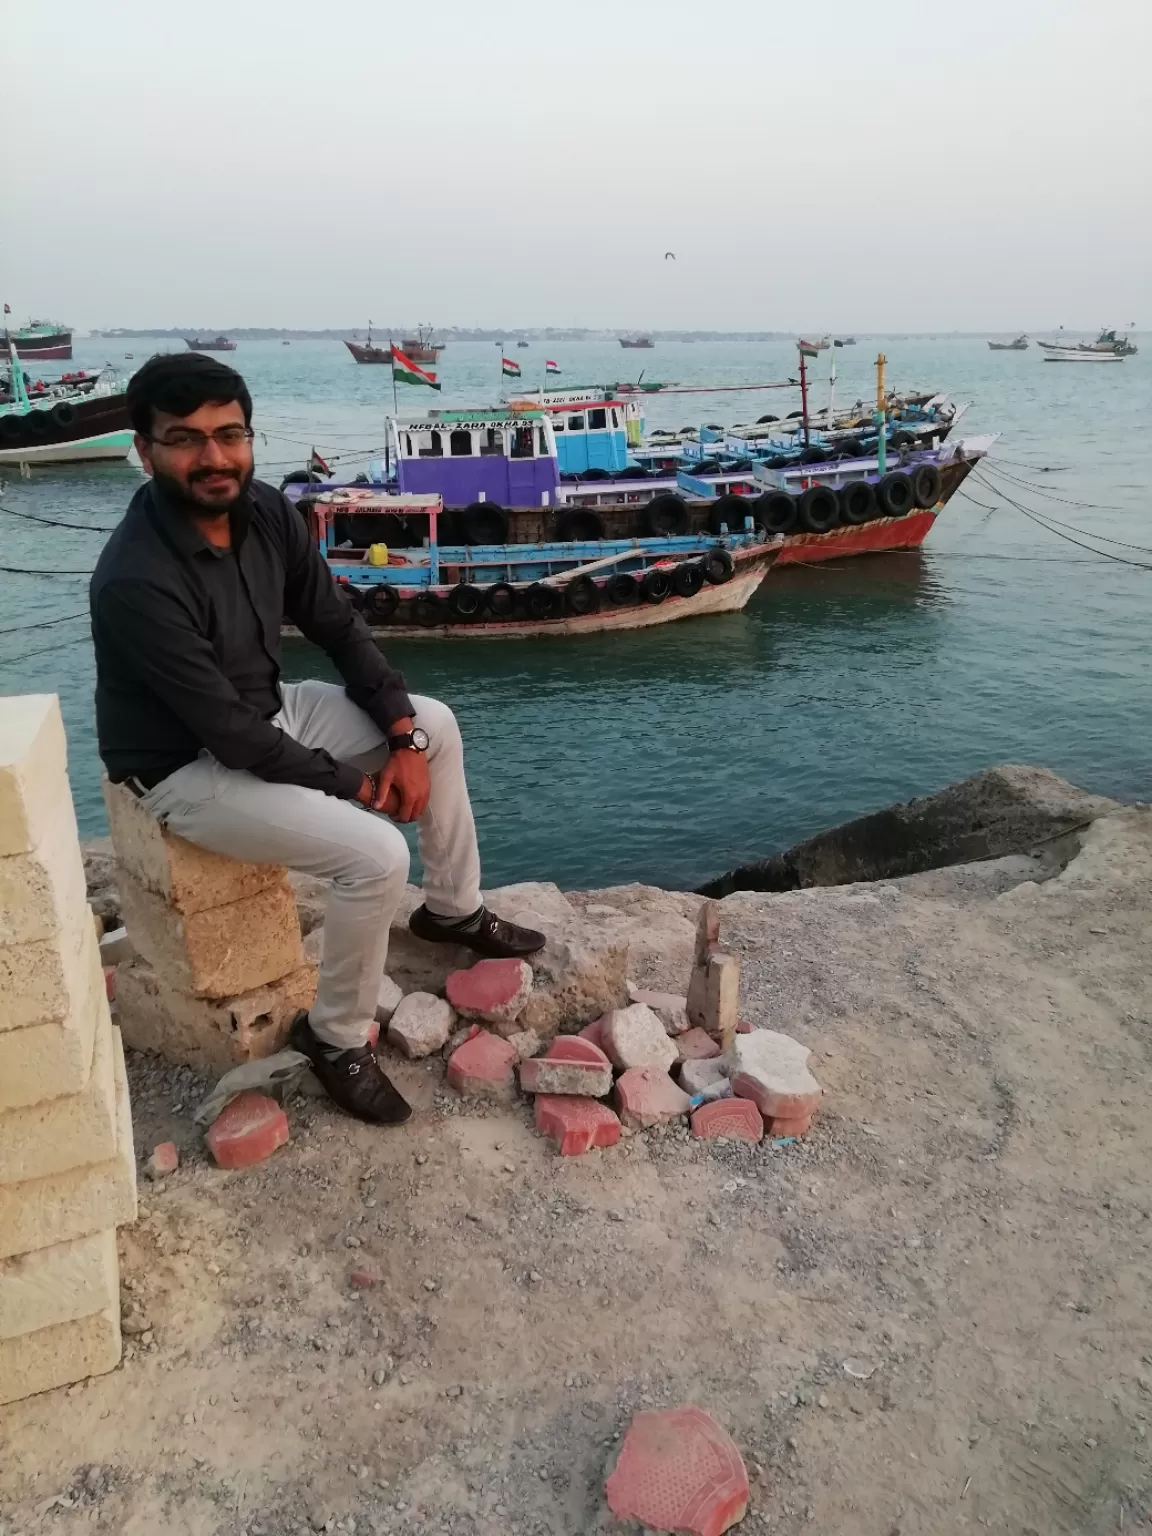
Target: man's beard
x=177, y=492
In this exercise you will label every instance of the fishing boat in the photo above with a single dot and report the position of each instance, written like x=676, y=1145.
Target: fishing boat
x=421, y=348
x=1082, y=355
x=523, y=344
x=367, y=352
x=1019, y=345
x=217, y=344
x=41, y=340
x=636, y=343
x=428, y=586
x=845, y=341
x=1108, y=342
x=62, y=424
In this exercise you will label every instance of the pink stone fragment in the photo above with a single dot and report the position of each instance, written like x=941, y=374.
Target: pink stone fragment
x=696, y=1044
x=247, y=1130
x=771, y=1069
x=647, y=1096
x=164, y=1160
x=483, y=1068
x=728, y=1120
x=593, y=1032
x=679, y=1471
x=494, y=991
x=577, y=1048
x=576, y=1125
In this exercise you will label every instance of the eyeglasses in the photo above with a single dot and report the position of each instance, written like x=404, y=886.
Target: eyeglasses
x=223, y=437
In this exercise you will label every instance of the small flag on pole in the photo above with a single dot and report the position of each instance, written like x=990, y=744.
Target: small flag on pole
x=807, y=349
x=551, y=367
x=7, y=309
x=510, y=369
x=408, y=372
x=317, y=466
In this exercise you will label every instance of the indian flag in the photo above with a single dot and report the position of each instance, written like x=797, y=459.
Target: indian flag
x=807, y=349
x=551, y=367
x=509, y=368
x=408, y=372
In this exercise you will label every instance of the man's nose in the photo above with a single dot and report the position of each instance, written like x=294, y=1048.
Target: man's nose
x=214, y=456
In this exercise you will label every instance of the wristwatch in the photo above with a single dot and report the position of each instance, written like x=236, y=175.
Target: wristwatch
x=414, y=740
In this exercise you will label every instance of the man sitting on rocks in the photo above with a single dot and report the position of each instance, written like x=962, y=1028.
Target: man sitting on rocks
x=187, y=600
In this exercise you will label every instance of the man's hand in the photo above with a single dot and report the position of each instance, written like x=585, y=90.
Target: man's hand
x=401, y=789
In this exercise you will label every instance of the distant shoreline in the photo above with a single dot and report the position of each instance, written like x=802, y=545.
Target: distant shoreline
x=546, y=334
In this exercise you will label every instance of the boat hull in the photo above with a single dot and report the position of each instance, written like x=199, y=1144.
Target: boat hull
x=874, y=538
x=364, y=354
x=87, y=450
x=99, y=429
x=1083, y=357
x=43, y=348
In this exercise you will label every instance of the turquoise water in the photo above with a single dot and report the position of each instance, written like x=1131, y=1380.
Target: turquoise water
x=671, y=755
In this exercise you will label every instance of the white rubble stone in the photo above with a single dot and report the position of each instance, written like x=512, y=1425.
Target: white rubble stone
x=707, y=1076
x=669, y=1007
x=771, y=1069
x=420, y=1025
x=635, y=1037
x=388, y=999
x=526, y=1044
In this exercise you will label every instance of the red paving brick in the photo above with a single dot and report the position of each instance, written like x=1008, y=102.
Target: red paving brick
x=577, y=1048
x=781, y=1125
x=646, y=1096
x=696, y=1045
x=247, y=1131
x=110, y=983
x=483, y=1067
x=495, y=990
x=164, y=1159
x=728, y=1119
x=592, y=1032
x=576, y=1125
x=679, y=1471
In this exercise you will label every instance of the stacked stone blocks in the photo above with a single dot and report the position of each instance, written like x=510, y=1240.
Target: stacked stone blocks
x=67, y=1167
x=220, y=970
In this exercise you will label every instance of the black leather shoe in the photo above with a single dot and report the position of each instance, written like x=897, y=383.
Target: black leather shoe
x=486, y=935
x=353, y=1079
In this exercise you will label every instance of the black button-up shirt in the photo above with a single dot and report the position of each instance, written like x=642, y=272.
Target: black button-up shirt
x=187, y=641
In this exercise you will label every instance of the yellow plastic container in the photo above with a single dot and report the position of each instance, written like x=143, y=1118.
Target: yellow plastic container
x=377, y=554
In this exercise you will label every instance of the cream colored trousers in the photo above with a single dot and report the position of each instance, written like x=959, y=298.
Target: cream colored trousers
x=364, y=856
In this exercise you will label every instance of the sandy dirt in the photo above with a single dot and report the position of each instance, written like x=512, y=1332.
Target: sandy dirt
x=932, y=1316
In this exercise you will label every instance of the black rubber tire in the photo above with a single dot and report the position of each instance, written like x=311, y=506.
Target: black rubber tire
x=717, y=566
x=594, y=474
x=466, y=602
x=428, y=610
x=38, y=422
x=635, y=472
x=857, y=503
x=819, y=509
x=731, y=510
x=763, y=421
x=850, y=448
x=501, y=600
x=542, y=602
x=579, y=525
x=703, y=467
x=927, y=483
x=380, y=602
x=655, y=586
x=739, y=467
x=793, y=415
x=582, y=596
x=901, y=440
x=483, y=522
x=300, y=477
x=813, y=455
x=776, y=511
x=665, y=516
x=894, y=495
x=621, y=589
x=777, y=461
x=63, y=414
x=687, y=579
x=11, y=428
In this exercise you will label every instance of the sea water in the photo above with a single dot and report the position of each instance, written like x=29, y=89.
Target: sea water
x=672, y=754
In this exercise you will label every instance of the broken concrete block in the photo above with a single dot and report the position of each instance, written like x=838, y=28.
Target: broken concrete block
x=247, y=1131
x=706, y=1075
x=188, y=878
x=218, y=951
x=38, y=981
x=647, y=1096
x=728, y=1120
x=635, y=1037
x=208, y=1032
x=387, y=998
x=722, y=998
x=483, y=1068
x=581, y=973
x=669, y=1007
x=491, y=991
x=526, y=1044
x=678, y=1471
x=38, y=1213
x=43, y=892
x=420, y=1025
x=576, y=1125
x=65, y=1352
x=697, y=1045
x=571, y=1066
x=51, y=1057
x=68, y=1132
x=772, y=1070
x=58, y=1284
x=116, y=948
x=707, y=931
x=33, y=770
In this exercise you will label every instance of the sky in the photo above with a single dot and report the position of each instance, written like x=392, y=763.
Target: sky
x=833, y=166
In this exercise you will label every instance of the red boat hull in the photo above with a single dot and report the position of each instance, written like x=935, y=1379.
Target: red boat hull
x=884, y=533
x=50, y=347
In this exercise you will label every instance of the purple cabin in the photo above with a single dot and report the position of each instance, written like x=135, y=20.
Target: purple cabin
x=467, y=456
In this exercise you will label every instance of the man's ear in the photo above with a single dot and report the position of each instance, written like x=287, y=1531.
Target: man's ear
x=141, y=444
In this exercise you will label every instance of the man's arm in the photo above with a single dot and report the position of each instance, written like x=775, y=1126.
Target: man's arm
x=156, y=640
x=314, y=603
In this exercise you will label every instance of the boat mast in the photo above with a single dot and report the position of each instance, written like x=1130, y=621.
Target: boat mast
x=19, y=393
x=882, y=447
x=804, y=397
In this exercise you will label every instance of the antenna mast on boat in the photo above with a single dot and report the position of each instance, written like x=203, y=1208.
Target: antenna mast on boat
x=882, y=446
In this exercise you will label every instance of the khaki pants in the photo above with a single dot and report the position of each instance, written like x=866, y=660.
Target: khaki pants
x=363, y=855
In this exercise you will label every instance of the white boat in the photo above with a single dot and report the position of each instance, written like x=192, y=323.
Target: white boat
x=1076, y=355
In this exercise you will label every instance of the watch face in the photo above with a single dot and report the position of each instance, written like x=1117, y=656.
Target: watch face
x=420, y=739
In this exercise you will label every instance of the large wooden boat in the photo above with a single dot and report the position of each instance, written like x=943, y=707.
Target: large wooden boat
x=41, y=340
x=61, y=424
x=636, y=343
x=215, y=344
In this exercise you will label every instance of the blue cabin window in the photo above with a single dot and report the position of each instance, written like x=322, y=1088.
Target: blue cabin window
x=575, y=423
x=597, y=420
x=460, y=445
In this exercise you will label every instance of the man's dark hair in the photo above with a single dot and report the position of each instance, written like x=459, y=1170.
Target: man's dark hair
x=180, y=383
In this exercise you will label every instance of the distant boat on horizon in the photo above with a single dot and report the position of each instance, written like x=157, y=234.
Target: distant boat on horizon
x=1019, y=345
x=217, y=344
x=636, y=343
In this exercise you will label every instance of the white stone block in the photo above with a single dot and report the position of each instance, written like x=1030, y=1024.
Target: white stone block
x=58, y=1284
x=33, y=769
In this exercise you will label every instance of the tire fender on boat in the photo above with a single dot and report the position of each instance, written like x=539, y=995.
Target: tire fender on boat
x=666, y=516
x=621, y=589
x=776, y=510
x=655, y=585
x=687, y=579
x=466, y=601
x=927, y=483
x=542, y=602
x=484, y=522
x=857, y=503
x=428, y=610
x=582, y=596
x=63, y=414
x=894, y=494
x=819, y=509
x=579, y=525
x=500, y=598
x=730, y=510
x=380, y=602
x=717, y=566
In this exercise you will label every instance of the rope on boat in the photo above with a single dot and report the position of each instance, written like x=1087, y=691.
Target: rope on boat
x=1042, y=522
x=67, y=618
x=1088, y=533
x=54, y=522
